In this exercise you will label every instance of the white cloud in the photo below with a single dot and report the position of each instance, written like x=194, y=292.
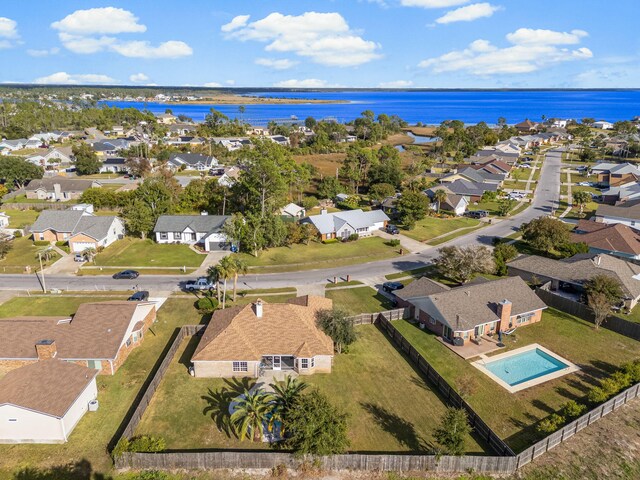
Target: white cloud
x=468, y=13
x=432, y=3
x=211, y=85
x=396, y=84
x=525, y=55
x=64, y=78
x=43, y=52
x=138, y=78
x=529, y=36
x=306, y=83
x=237, y=22
x=8, y=28
x=107, y=20
x=143, y=49
x=91, y=31
x=324, y=38
x=230, y=82
x=280, y=64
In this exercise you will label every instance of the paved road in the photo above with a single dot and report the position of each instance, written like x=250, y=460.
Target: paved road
x=546, y=200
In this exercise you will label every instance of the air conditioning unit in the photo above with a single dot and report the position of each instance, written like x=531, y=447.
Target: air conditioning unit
x=93, y=405
x=422, y=326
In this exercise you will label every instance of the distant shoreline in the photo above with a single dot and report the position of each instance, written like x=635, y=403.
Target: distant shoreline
x=235, y=99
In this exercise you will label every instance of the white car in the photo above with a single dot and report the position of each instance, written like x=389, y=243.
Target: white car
x=525, y=165
x=584, y=184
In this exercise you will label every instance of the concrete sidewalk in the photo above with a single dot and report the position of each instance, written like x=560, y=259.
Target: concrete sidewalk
x=407, y=243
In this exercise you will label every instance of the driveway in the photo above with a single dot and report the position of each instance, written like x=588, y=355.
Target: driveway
x=546, y=201
x=407, y=243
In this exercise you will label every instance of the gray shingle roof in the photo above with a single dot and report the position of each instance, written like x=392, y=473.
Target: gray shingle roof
x=95, y=227
x=58, y=220
x=66, y=184
x=331, y=222
x=465, y=187
x=192, y=159
x=464, y=308
x=197, y=223
x=422, y=287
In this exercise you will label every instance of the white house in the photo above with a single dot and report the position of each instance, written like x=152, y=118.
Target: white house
x=42, y=402
x=344, y=224
x=191, y=161
x=204, y=230
x=4, y=220
x=603, y=125
x=12, y=145
x=229, y=177
x=292, y=210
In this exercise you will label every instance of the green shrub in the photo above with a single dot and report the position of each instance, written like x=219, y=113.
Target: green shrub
x=207, y=304
x=393, y=242
x=353, y=237
x=633, y=370
x=121, y=447
x=146, y=475
x=61, y=243
x=17, y=233
x=41, y=243
x=550, y=424
x=597, y=395
x=572, y=409
x=330, y=240
x=309, y=202
x=147, y=443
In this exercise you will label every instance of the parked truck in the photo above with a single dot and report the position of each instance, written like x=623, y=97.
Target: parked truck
x=201, y=283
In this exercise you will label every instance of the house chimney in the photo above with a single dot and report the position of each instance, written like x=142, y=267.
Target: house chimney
x=204, y=213
x=323, y=211
x=258, y=307
x=46, y=349
x=504, y=312
x=457, y=322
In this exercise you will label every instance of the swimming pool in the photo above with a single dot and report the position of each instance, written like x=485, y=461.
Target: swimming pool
x=525, y=367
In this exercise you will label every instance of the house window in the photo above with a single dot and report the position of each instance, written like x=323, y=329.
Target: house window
x=135, y=337
x=520, y=319
x=240, y=367
x=42, y=236
x=432, y=320
x=177, y=235
x=313, y=362
x=95, y=364
x=13, y=419
x=128, y=341
x=304, y=363
x=164, y=236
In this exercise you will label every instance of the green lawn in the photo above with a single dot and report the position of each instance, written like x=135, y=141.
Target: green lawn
x=359, y=300
x=134, y=252
x=319, y=255
x=21, y=218
x=451, y=236
x=50, y=305
x=431, y=227
x=513, y=416
x=24, y=253
x=416, y=272
x=398, y=414
x=90, y=438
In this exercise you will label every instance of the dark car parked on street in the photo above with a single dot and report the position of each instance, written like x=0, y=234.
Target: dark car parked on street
x=126, y=274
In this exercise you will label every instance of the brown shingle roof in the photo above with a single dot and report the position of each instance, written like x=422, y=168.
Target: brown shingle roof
x=465, y=307
x=630, y=210
x=423, y=287
x=284, y=329
x=48, y=386
x=611, y=237
x=580, y=268
x=96, y=331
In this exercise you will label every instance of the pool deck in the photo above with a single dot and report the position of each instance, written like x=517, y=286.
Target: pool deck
x=480, y=365
x=471, y=350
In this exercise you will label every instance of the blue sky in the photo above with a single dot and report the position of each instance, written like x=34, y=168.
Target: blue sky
x=297, y=43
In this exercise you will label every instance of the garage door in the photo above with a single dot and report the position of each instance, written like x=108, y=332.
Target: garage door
x=77, y=247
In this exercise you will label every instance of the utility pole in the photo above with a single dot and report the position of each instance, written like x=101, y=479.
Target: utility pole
x=44, y=285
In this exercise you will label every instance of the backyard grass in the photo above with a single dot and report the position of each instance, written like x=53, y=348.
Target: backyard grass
x=319, y=255
x=398, y=414
x=431, y=227
x=134, y=252
x=21, y=218
x=23, y=254
x=597, y=353
x=50, y=305
x=359, y=300
x=96, y=430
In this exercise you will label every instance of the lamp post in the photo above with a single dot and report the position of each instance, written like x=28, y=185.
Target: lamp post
x=44, y=285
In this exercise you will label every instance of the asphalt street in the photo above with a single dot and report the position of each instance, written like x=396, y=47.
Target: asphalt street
x=545, y=201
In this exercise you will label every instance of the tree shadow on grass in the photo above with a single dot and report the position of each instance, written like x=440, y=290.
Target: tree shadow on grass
x=402, y=430
x=81, y=470
x=217, y=402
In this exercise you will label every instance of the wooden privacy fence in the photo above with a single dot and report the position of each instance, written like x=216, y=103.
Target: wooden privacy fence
x=451, y=396
x=264, y=460
x=580, y=310
x=370, y=318
x=132, y=424
x=568, y=431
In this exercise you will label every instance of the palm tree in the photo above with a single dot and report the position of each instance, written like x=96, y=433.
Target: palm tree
x=46, y=253
x=212, y=276
x=251, y=413
x=89, y=253
x=581, y=198
x=440, y=196
x=239, y=268
x=225, y=270
x=286, y=392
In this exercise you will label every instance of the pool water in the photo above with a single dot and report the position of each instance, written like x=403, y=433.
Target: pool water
x=525, y=366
